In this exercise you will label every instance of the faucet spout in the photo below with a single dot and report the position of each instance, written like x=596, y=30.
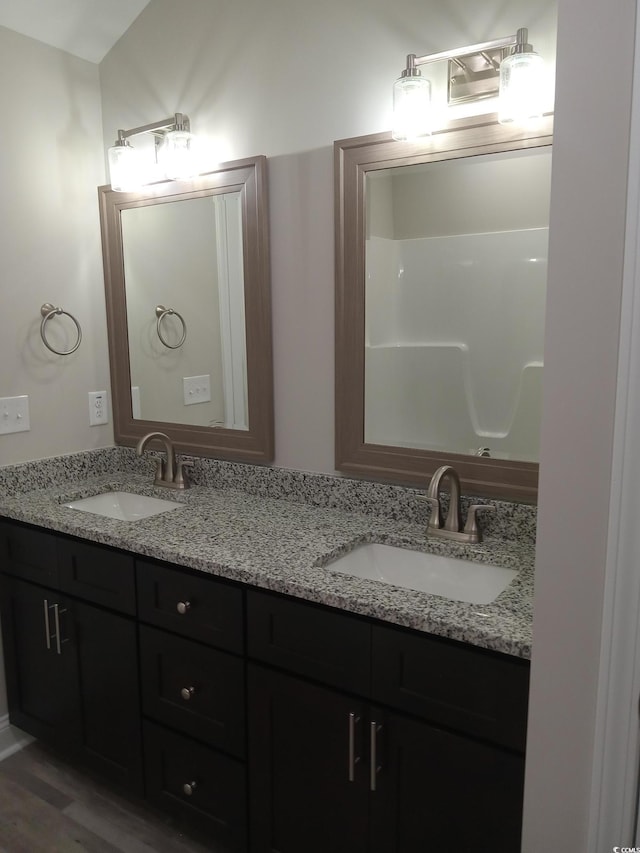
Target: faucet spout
x=452, y=528
x=169, y=473
x=452, y=522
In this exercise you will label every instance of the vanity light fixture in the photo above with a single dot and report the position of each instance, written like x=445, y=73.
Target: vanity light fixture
x=507, y=67
x=174, y=152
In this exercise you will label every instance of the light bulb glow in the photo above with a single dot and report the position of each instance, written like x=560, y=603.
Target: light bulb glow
x=521, y=89
x=411, y=108
x=177, y=155
x=124, y=169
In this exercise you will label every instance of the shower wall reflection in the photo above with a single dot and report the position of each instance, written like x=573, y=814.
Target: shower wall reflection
x=456, y=269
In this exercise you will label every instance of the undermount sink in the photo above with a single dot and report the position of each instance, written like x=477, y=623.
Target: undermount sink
x=459, y=580
x=123, y=505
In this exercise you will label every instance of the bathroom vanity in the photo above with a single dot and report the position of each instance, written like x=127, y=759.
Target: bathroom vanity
x=268, y=714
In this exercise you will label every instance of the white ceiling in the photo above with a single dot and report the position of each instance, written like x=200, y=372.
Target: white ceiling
x=86, y=28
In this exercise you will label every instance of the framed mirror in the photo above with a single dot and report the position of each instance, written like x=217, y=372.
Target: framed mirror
x=189, y=312
x=441, y=263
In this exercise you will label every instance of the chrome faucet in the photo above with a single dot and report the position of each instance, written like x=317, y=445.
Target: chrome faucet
x=169, y=474
x=452, y=528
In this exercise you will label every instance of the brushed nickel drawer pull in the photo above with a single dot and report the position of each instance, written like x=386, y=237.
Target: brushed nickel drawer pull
x=354, y=719
x=183, y=607
x=187, y=693
x=57, y=610
x=47, y=626
x=188, y=788
x=375, y=767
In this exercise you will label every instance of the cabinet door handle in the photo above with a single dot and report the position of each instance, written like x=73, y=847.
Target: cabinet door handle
x=57, y=610
x=374, y=728
x=47, y=626
x=187, y=693
x=354, y=719
x=183, y=607
x=188, y=788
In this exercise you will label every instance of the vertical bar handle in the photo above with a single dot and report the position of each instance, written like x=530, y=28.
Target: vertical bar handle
x=354, y=719
x=56, y=618
x=47, y=627
x=374, y=728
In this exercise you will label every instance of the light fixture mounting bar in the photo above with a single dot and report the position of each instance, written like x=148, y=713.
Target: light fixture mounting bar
x=177, y=120
x=496, y=44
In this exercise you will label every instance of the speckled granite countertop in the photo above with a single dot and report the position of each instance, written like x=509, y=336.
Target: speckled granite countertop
x=286, y=546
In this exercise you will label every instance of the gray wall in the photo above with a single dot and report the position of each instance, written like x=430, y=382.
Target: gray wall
x=51, y=163
x=588, y=200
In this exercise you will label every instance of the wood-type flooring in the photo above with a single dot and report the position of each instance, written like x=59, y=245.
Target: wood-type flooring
x=47, y=806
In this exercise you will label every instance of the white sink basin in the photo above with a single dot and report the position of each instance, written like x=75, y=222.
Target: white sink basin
x=123, y=505
x=460, y=580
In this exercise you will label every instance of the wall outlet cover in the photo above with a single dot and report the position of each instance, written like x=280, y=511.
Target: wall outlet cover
x=98, y=408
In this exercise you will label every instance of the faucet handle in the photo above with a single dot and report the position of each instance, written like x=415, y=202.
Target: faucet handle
x=434, y=503
x=471, y=528
x=180, y=478
x=159, y=469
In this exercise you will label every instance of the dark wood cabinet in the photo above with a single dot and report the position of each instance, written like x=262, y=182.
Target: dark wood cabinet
x=43, y=687
x=71, y=667
x=439, y=790
x=302, y=796
x=336, y=770
x=268, y=723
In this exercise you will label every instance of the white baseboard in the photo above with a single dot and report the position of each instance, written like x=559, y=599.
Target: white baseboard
x=11, y=738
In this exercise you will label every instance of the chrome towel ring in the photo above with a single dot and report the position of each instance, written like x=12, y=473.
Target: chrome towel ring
x=161, y=313
x=48, y=310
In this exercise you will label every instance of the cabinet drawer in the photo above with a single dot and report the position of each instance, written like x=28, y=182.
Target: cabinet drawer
x=29, y=554
x=201, y=608
x=215, y=804
x=308, y=640
x=481, y=693
x=193, y=688
x=97, y=574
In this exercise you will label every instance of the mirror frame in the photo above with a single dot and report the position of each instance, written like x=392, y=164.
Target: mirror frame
x=353, y=158
x=255, y=445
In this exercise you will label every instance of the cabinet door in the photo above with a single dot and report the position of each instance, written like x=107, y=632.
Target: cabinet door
x=435, y=790
x=106, y=659
x=301, y=796
x=42, y=682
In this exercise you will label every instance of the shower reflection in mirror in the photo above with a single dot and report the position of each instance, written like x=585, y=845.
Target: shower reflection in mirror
x=456, y=270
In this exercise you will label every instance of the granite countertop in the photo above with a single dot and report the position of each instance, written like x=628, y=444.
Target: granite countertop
x=286, y=546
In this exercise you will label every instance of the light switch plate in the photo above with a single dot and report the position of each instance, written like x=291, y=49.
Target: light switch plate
x=14, y=414
x=98, y=408
x=197, y=389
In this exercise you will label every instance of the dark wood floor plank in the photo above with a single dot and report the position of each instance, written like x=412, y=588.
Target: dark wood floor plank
x=30, y=825
x=48, y=806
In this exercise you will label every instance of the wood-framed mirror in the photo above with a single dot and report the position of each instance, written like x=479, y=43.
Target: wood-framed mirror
x=441, y=258
x=186, y=267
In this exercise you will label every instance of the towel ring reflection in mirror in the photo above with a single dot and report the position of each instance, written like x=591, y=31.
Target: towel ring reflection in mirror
x=161, y=313
x=48, y=311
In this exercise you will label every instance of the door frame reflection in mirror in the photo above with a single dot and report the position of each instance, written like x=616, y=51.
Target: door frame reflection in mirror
x=255, y=444
x=353, y=158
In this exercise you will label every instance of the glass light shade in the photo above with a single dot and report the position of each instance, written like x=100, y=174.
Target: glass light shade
x=177, y=155
x=521, y=88
x=411, y=108
x=124, y=169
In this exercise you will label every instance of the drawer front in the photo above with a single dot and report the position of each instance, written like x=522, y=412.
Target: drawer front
x=330, y=647
x=29, y=554
x=98, y=574
x=201, y=608
x=215, y=804
x=193, y=688
x=480, y=693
